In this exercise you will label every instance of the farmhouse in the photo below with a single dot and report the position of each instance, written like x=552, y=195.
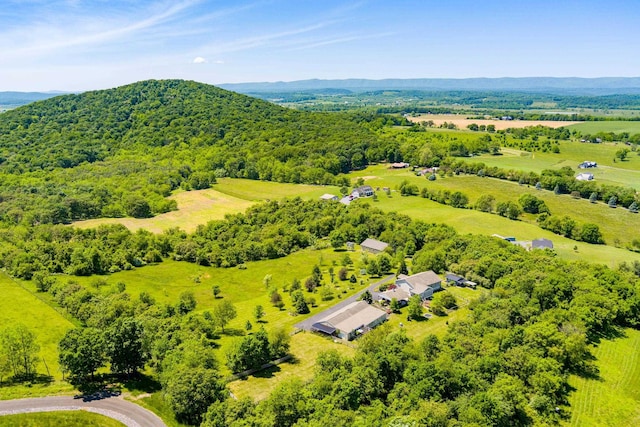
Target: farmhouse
x=351, y=321
x=585, y=177
x=541, y=244
x=423, y=284
x=363, y=191
x=373, y=246
x=400, y=295
x=587, y=164
x=399, y=165
x=328, y=196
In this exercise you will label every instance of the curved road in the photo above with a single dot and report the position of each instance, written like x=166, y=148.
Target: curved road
x=126, y=412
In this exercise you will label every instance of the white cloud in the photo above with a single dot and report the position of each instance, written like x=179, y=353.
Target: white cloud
x=219, y=61
x=199, y=60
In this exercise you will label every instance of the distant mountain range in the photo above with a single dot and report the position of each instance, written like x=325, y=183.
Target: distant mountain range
x=563, y=85
x=15, y=99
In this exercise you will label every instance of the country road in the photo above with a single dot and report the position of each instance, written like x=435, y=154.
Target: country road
x=306, y=324
x=114, y=407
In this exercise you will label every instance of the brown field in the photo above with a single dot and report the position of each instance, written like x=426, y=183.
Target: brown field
x=462, y=122
x=194, y=208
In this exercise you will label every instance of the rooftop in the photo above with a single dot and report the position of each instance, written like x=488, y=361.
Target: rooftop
x=353, y=316
x=374, y=244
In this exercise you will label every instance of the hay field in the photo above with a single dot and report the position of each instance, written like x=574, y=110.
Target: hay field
x=462, y=121
x=194, y=208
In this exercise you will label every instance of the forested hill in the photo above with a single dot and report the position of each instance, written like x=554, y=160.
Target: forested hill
x=107, y=153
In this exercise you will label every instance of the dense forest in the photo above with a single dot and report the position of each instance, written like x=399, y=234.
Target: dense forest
x=121, y=151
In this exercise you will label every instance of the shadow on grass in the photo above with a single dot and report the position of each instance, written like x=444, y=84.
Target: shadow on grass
x=267, y=373
x=27, y=380
x=143, y=383
x=234, y=332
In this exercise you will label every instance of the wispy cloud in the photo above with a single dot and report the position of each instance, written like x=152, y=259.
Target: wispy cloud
x=62, y=32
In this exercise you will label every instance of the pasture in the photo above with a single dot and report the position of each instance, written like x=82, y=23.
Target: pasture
x=20, y=305
x=612, y=399
x=626, y=173
x=615, y=126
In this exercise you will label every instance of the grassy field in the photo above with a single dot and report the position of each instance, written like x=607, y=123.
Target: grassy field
x=19, y=305
x=475, y=222
x=607, y=126
x=305, y=346
x=248, y=189
x=194, y=208
x=615, y=224
x=613, y=399
x=57, y=419
x=626, y=174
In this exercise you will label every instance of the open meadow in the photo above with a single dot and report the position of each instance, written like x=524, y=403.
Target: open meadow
x=615, y=126
x=20, y=305
x=194, y=208
x=626, y=173
x=613, y=398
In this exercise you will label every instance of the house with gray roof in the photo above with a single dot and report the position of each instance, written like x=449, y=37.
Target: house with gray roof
x=541, y=244
x=351, y=321
x=374, y=246
x=423, y=284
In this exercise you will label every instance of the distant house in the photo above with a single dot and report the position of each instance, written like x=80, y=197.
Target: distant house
x=587, y=164
x=541, y=244
x=373, y=246
x=423, y=284
x=456, y=280
x=399, y=165
x=396, y=293
x=585, y=177
x=508, y=238
x=363, y=191
x=328, y=196
x=351, y=321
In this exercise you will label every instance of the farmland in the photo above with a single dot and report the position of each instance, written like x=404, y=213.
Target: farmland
x=461, y=121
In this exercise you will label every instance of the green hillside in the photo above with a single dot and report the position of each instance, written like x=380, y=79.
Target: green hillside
x=121, y=151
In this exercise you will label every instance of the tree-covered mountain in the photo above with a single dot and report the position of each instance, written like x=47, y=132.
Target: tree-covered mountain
x=121, y=151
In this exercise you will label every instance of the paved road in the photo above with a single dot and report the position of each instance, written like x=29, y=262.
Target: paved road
x=126, y=412
x=306, y=324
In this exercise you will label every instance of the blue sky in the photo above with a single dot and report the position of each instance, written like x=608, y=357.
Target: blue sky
x=76, y=45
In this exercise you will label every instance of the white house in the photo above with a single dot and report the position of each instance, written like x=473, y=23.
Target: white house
x=328, y=196
x=423, y=284
x=584, y=177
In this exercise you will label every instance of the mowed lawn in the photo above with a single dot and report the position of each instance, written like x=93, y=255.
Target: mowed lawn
x=194, y=208
x=18, y=305
x=248, y=189
x=614, y=398
x=305, y=347
x=60, y=418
